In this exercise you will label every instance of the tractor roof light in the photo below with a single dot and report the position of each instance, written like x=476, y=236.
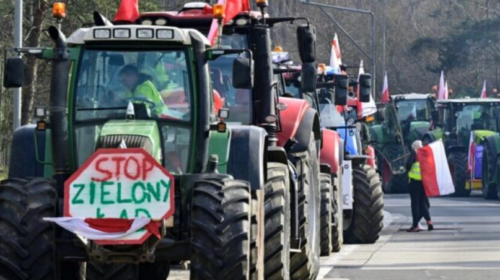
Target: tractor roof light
x=278, y=49
x=122, y=33
x=219, y=11
x=147, y=22
x=59, y=10
x=161, y=21
x=145, y=33
x=242, y=21
x=102, y=33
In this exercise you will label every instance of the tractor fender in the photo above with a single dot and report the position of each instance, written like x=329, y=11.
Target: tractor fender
x=433, y=135
x=330, y=152
x=493, y=142
x=28, y=153
x=298, y=120
x=247, y=155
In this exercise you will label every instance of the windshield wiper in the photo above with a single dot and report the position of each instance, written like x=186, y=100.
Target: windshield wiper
x=101, y=109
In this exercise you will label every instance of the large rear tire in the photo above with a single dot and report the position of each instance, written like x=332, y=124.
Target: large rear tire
x=220, y=230
x=367, y=216
x=27, y=243
x=305, y=264
x=277, y=242
x=490, y=172
x=457, y=161
x=326, y=214
x=337, y=217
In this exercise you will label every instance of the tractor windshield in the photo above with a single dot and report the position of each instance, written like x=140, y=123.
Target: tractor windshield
x=108, y=80
x=475, y=117
x=238, y=101
x=413, y=110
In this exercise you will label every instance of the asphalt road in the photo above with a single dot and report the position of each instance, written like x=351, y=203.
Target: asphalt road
x=465, y=245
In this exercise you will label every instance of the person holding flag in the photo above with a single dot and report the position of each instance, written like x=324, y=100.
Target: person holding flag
x=419, y=200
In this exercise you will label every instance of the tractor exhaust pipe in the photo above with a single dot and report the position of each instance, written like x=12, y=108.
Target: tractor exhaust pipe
x=58, y=105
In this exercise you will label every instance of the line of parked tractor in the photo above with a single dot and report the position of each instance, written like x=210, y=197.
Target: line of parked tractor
x=272, y=163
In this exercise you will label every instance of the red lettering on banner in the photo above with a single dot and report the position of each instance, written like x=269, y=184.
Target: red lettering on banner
x=147, y=166
x=137, y=168
x=105, y=172
x=118, y=167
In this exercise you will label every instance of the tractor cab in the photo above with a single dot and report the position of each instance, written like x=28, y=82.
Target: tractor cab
x=469, y=129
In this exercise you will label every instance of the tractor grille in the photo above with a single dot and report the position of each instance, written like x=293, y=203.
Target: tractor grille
x=132, y=141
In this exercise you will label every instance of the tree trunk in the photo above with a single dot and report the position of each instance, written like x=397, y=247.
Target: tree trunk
x=39, y=8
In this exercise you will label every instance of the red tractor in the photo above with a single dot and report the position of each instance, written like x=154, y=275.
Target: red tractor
x=289, y=129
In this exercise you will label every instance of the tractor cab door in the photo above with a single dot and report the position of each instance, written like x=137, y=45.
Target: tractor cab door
x=391, y=143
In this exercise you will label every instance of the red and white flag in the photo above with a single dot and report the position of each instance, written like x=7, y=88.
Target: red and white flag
x=336, y=56
x=232, y=9
x=385, y=91
x=365, y=108
x=442, y=90
x=484, y=94
x=472, y=152
x=434, y=169
x=107, y=228
x=446, y=90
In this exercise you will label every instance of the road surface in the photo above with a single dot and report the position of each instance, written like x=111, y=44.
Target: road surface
x=465, y=245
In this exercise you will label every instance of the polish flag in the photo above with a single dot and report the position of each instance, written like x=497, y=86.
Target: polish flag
x=484, y=94
x=446, y=90
x=436, y=176
x=385, y=92
x=442, y=91
x=336, y=46
x=335, y=59
x=232, y=9
x=106, y=228
x=365, y=108
x=472, y=152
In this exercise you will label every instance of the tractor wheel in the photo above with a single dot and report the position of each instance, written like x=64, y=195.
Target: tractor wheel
x=367, y=216
x=277, y=243
x=27, y=243
x=400, y=183
x=326, y=214
x=220, y=230
x=104, y=271
x=457, y=162
x=337, y=218
x=305, y=264
x=489, y=172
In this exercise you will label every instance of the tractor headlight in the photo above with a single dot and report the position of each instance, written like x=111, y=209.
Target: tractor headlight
x=164, y=34
x=121, y=33
x=242, y=21
x=161, y=21
x=102, y=33
x=145, y=33
x=147, y=22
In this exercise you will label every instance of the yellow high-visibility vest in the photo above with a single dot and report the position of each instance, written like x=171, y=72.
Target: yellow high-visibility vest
x=415, y=172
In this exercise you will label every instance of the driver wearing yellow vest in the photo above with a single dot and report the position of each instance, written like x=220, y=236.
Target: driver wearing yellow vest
x=139, y=85
x=419, y=201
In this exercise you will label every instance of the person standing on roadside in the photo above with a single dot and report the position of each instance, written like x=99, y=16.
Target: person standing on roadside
x=419, y=201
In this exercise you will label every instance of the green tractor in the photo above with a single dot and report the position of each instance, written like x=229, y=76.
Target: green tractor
x=390, y=149
x=469, y=129
x=136, y=178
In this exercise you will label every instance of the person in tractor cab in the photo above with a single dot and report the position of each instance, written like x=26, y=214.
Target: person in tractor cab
x=419, y=200
x=139, y=86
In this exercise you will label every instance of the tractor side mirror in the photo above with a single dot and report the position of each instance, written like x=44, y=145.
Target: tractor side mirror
x=13, y=73
x=365, y=87
x=306, y=40
x=309, y=76
x=243, y=74
x=341, y=89
x=243, y=68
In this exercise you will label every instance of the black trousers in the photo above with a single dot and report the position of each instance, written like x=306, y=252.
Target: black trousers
x=419, y=202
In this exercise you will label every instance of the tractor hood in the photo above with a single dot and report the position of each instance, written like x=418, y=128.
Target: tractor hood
x=131, y=134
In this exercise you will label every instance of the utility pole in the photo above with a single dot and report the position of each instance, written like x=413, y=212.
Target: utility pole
x=371, y=57
x=384, y=17
x=18, y=43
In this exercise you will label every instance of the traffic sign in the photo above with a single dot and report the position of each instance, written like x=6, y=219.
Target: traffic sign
x=120, y=183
